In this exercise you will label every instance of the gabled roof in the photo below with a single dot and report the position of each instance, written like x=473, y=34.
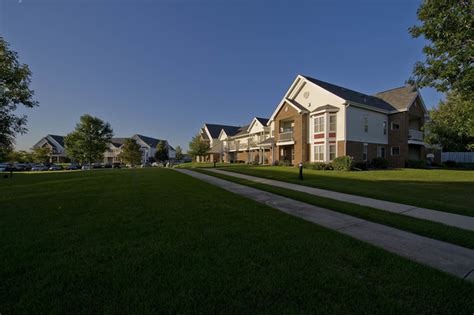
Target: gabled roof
x=401, y=98
x=58, y=139
x=353, y=96
x=151, y=142
x=242, y=131
x=118, y=142
x=263, y=121
x=214, y=129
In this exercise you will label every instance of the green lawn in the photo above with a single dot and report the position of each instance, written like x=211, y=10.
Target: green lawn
x=208, y=165
x=443, y=190
x=430, y=229
x=154, y=240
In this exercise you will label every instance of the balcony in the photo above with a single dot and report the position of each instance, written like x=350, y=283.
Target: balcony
x=415, y=135
x=285, y=136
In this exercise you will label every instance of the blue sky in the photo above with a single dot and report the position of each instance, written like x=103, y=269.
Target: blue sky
x=163, y=68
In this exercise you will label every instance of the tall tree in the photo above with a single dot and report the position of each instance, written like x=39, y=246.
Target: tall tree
x=131, y=153
x=179, y=153
x=449, y=26
x=161, y=153
x=41, y=155
x=198, y=147
x=15, y=79
x=452, y=124
x=89, y=140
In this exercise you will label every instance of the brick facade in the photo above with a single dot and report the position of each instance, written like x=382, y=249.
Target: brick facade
x=356, y=150
x=300, y=133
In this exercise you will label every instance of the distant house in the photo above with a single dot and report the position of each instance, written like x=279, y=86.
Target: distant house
x=111, y=155
x=210, y=133
x=56, y=145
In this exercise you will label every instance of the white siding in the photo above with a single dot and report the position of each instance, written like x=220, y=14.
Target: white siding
x=312, y=96
x=355, y=125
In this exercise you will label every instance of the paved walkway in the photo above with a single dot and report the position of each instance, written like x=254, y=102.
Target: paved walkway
x=451, y=219
x=453, y=259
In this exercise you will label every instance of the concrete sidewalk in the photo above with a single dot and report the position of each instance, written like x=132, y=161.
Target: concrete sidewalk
x=453, y=259
x=451, y=219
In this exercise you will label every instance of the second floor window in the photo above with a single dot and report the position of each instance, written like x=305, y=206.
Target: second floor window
x=366, y=124
x=319, y=124
x=332, y=123
x=395, y=126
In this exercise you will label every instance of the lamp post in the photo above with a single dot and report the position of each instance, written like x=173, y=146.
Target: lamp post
x=301, y=171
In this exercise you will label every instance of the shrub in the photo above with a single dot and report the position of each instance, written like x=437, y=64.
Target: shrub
x=415, y=163
x=360, y=166
x=343, y=163
x=450, y=163
x=379, y=162
x=317, y=166
x=282, y=163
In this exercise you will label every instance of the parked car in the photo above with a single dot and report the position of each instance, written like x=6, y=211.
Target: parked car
x=39, y=167
x=73, y=167
x=22, y=167
x=97, y=165
x=107, y=165
x=86, y=167
x=117, y=165
x=3, y=167
x=55, y=167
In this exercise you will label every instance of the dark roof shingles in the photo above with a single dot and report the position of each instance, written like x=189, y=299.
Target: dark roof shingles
x=353, y=96
x=215, y=130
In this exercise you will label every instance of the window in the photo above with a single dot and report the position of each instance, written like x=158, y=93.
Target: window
x=395, y=126
x=366, y=124
x=332, y=152
x=273, y=133
x=395, y=150
x=381, y=152
x=319, y=124
x=364, y=152
x=319, y=152
x=384, y=127
x=332, y=123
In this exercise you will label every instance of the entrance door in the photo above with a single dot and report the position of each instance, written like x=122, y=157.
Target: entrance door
x=287, y=153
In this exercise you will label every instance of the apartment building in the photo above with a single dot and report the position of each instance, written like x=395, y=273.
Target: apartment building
x=318, y=121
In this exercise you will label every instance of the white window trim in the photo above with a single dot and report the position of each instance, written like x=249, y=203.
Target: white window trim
x=329, y=151
x=335, y=123
x=379, y=152
x=323, y=146
x=322, y=117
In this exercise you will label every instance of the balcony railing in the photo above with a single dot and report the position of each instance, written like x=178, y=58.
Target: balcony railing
x=285, y=136
x=415, y=135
